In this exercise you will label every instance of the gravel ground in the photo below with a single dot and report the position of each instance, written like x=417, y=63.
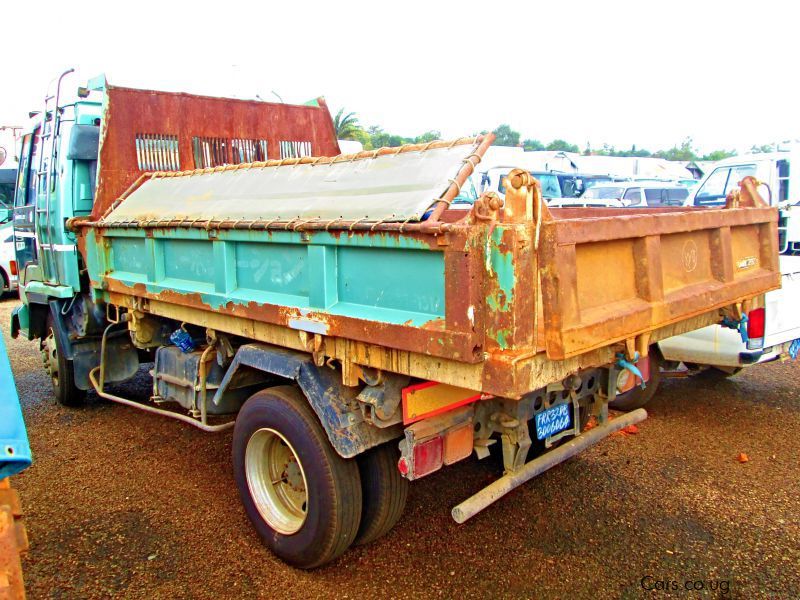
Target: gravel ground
x=124, y=504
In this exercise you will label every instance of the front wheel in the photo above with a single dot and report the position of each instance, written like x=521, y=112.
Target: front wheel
x=303, y=499
x=60, y=369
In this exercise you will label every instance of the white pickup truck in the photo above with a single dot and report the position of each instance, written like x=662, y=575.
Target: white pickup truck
x=773, y=332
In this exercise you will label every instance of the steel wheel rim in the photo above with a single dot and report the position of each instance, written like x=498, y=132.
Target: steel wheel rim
x=276, y=481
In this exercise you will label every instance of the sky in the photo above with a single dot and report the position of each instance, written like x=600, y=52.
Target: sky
x=618, y=73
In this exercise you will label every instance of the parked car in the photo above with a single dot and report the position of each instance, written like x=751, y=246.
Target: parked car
x=554, y=185
x=629, y=194
x=492, y=180
x=8, y=263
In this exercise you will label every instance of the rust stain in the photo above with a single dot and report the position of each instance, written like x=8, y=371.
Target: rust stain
x=131, y=112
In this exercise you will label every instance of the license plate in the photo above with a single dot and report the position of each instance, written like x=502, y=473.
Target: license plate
x=553, y=420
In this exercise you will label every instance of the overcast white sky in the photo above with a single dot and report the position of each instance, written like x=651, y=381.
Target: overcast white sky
x=650, y=73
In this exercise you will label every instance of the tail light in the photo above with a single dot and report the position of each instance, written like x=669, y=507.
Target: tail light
x=440, y=440
x=428, y=456
x=13, y=265
x=755, y=329
x=458, y=443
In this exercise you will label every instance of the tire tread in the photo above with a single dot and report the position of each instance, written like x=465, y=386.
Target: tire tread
x=384, y=493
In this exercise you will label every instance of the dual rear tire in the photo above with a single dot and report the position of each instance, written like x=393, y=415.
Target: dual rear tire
x=307, y=503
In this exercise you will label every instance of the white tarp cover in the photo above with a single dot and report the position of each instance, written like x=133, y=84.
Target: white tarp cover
x=385, y=188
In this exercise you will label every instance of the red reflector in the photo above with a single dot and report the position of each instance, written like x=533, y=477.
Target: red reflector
x=402, y=466
x=428, y=456
x=13, y=266
x=755, y=323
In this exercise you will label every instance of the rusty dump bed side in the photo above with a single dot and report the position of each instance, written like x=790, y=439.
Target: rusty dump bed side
x=499, y=297
x=146, y=130
x=620, y=273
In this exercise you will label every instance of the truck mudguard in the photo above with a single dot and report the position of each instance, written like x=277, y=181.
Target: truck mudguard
x=334, y=403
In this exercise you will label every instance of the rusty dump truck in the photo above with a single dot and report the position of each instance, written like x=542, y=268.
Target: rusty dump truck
x=356, y=320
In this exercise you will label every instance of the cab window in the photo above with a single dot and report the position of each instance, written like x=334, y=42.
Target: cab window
x=656, y=196
x=713, y=190
x=468, y=194
x=720, y=183
x=783, y=180
x=737, y=174
x=676, y=196
x=550, y=185
x=6, y=195
x=634, y=196
x=28, y=176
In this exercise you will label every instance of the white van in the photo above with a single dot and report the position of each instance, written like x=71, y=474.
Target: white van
x=772, y=332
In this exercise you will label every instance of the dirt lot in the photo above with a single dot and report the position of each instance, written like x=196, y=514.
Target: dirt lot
x=124, y=504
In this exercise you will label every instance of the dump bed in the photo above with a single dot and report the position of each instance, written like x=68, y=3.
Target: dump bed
x=368, y=260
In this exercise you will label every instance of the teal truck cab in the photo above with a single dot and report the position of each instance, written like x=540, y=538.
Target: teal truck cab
x=355, y=330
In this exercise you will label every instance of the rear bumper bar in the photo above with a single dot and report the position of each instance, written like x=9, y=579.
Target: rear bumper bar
x=496, y=490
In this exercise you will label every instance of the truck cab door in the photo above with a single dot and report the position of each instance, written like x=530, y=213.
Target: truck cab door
x=25, y=246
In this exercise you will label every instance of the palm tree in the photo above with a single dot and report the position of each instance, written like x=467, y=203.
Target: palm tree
x=345, y=125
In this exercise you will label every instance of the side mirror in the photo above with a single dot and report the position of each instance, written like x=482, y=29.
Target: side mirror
x=84, y=141
x=6, y=214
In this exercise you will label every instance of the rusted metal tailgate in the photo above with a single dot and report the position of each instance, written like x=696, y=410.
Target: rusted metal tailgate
x=609, y=275
x=147, y=130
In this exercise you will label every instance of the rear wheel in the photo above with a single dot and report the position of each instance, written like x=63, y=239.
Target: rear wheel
x=61, y=370
x=303, y=499
x=384, y=492
x=637, y=397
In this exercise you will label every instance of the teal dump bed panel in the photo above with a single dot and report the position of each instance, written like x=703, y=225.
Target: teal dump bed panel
x=378, y=277
x=188, y=265
x=264, y=269
x=130, y=259
x=386, y=279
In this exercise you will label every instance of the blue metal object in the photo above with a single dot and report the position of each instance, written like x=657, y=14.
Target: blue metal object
x=15, y=453
x=794, y=349
x=182, y=340
x=631, y=366
x=740, y=326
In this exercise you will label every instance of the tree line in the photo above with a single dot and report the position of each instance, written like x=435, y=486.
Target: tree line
x=371, y=137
